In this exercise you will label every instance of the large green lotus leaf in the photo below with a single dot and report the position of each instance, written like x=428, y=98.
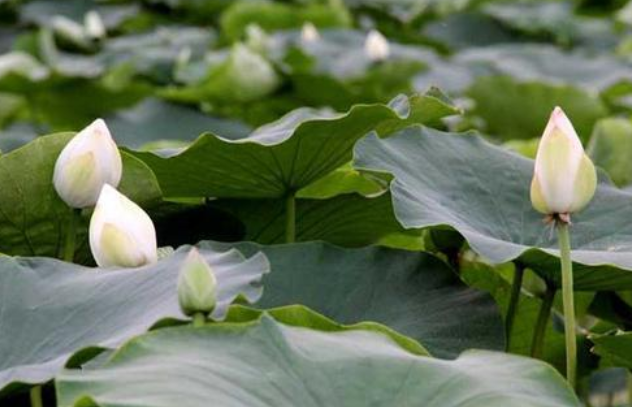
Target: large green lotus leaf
x=343, y=180
x=32, y=216
x=482, y=191
x=615, y=348
x=52, y=309
x=302, y=316
x=519, y=110
x=413, y=293
x=271, y=364
x=348, y=220
x=283, y=156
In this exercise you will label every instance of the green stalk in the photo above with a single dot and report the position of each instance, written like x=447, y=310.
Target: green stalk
x=71, y=235
x=629, y=386
x=36, y=396
x=539, y=332
x=514, y=299
x=290, y=218
x=199, y=319
x=569, y=306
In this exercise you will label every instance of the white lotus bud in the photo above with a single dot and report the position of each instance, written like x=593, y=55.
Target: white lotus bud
x=121, y=233
x=197, y=285
x=250, y=76
x=376, y=46
x=564, y=180
x=309, y=33
x=89, y=161
x=68, y=29
x=94, y=25
x=21, y=63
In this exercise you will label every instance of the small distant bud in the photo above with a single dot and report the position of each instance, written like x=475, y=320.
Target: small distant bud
x=376, y=46
x=184, y=57
x=197, y=285
x=89, y=161
x=309, y=33
x=94, y=25
x=564, y=179
x=21, y=63
x=68, y=29
x=250, y=76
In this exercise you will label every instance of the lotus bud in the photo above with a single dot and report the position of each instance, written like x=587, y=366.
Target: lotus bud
x=94, y=25
x=121, y=233
x=23, y=64
x=197, y=285
x=89, y=161
x=68, y=29
x=564, y=180
x=249, y=75
x=376, y=46
x=309, y=33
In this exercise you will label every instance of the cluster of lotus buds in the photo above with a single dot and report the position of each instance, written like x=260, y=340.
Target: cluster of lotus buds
x=121, y=234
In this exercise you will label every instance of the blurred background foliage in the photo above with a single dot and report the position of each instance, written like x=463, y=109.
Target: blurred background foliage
x=162, y=71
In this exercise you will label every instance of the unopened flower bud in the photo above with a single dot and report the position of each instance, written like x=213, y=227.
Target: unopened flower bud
x=197, y=285
x=94, y=25
x=250, y=76
x=564, y=179
x=89, y=161
x=68, y=29
x=121, y=233
x=309, y=33
x=376, y=46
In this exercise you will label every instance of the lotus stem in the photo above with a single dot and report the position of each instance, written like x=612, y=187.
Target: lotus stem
x=71, y=236
x=514, y=300
x=290, y=218
x=539, y=332
x=199, y=319
x=568, y=299
x=36, y=396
